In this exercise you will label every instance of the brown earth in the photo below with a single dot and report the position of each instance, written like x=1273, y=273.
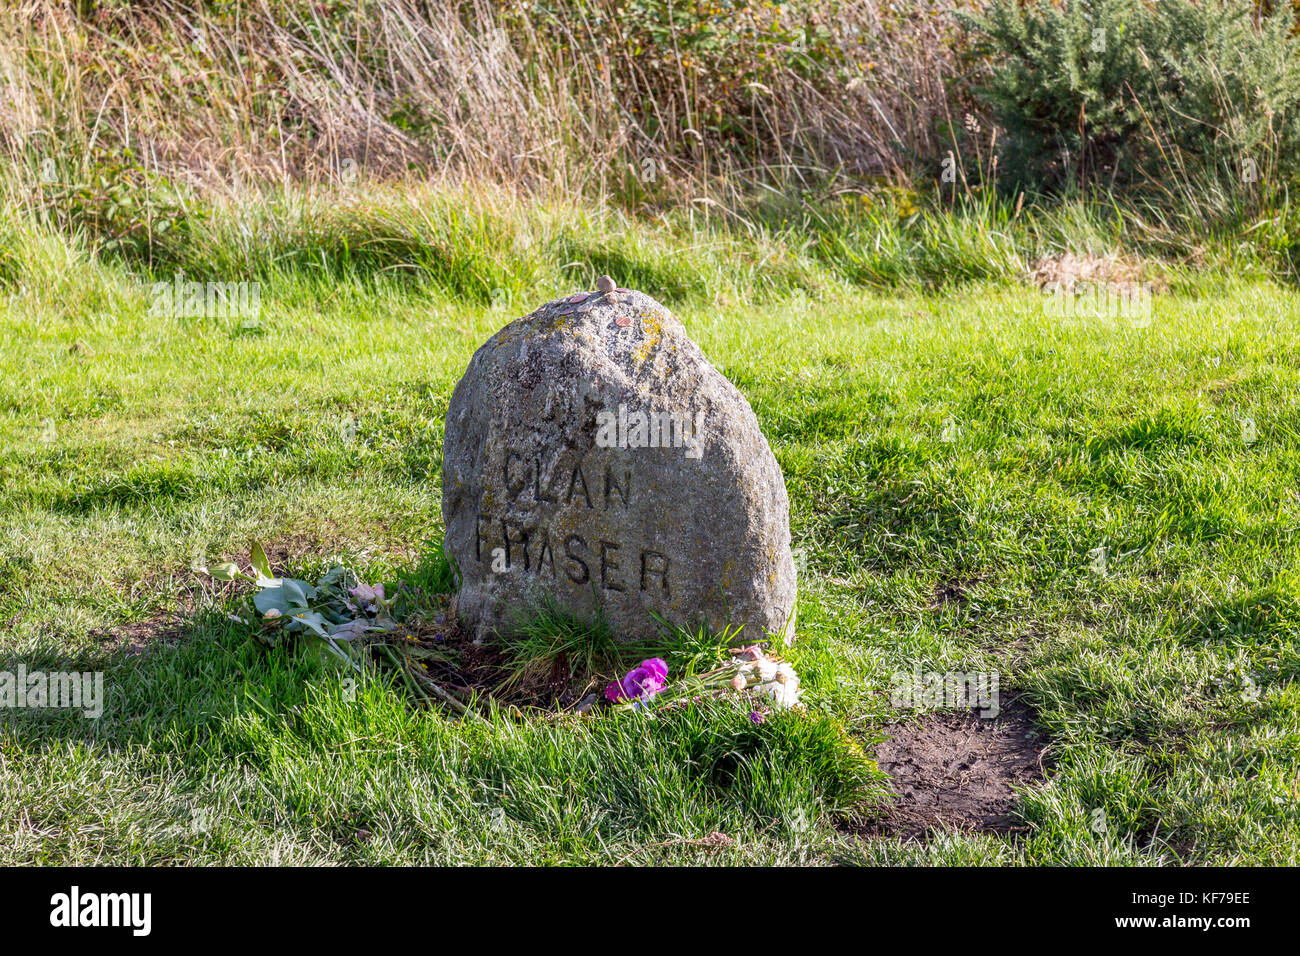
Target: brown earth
x=956, y=770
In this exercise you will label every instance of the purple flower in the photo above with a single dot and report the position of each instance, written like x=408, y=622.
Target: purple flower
x=640, y=683
x=756, y=717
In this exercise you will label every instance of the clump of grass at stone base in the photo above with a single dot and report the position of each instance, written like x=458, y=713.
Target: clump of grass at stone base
x=553, y=662
x=736, y=742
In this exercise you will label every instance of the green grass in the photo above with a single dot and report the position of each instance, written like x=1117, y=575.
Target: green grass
x=959, y=434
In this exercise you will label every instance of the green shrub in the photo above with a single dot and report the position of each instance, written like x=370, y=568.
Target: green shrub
x=1131, y=94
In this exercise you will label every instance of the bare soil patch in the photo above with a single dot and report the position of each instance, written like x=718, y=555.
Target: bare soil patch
x=958, y=771
x=138, y=637
x=449, y=656
x=1068, y=270
x=955, y=591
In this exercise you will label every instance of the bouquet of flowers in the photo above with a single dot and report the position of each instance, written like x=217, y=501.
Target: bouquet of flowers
x=339, y=608
x=752, y=672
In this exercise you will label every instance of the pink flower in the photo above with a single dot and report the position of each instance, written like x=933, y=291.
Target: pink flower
x=365, y=594
x=641, y=682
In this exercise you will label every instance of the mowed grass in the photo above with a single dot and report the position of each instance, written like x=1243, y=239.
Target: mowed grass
x=1117, y=501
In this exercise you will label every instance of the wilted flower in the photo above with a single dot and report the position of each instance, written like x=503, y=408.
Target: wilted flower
x=774, y=678
x=272, y=612
x=365, y=594
x=785, y=693
x=350, y=630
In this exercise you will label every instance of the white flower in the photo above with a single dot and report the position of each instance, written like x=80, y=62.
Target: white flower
x=766, y=670
x=784, y=694
x=272, y=612
x=781, y=683
x=738, y=682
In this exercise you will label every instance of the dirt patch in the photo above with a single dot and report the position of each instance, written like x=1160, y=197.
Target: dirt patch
x=138, y=637
x=955, y=591
x=447, y=655
x=1067, y=270
x=957, y=771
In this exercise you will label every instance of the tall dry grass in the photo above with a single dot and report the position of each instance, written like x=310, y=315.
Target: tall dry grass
x=641, y=99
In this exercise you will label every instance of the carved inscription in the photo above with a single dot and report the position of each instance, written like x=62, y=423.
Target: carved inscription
x=558, y=538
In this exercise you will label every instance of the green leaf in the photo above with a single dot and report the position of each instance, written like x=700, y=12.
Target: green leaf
x=297, y=593
x=313, y=620
x=262, y=566
x=269, y=598
x=337, y=576
x=226, y=571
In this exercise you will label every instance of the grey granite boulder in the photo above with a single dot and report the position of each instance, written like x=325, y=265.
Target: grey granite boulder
x=593, y=456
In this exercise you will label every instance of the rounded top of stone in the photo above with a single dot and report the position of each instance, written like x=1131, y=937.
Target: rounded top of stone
x=617, y=308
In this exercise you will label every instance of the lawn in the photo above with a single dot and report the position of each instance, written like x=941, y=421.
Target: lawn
x=1106, y=512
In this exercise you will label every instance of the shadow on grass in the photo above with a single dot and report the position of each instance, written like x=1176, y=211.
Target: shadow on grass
x=328, y=750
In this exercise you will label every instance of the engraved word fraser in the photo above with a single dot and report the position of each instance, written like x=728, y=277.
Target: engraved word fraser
x=527, y=544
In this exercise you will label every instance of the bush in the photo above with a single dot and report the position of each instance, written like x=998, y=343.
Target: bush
x=1128, y=93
